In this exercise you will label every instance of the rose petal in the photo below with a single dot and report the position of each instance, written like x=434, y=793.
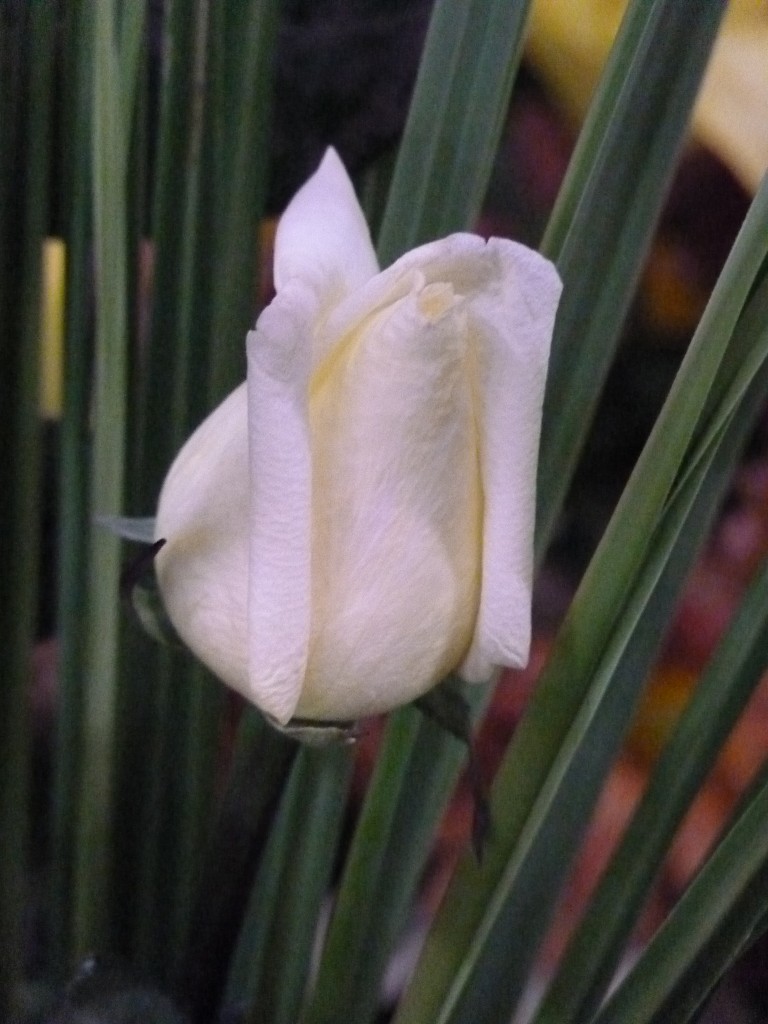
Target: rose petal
x=279, y=565
x=396, y=508
x=511, y=295
x=512, y=320
x=203, y=515
x=322, y=238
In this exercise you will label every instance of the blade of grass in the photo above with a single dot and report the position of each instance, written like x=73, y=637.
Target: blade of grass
x=315, y=821
x=244, y=108
x=721, y=694
x=738, y=863
x=74, y=473
x=741, y=926
x=164, y=402
x=111, y=128
x=317, y=790
x=471, y=55
x=26, y=55
x=602, y=594
x=362, y=867
x=237, y=843
x=415, y=774
x=602, y=225
x=632, y=39
x=615, y=685
x=247, y=965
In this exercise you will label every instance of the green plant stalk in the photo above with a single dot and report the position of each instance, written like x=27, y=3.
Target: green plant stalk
x=471, y=55
x=25, y=109
x=434, y=768
x=362, y=868
x=292, y=884
x=738, y=862
x=247, y=964
x=627, y=541
x=175, y=215
x=240, y=117
x=315, y=821
x=641, y=18
x=140, y=813
x=74, y=490
x=200, y=699
x=234, y=853
x=414, y=777
x=603, y=222
x=111, y=124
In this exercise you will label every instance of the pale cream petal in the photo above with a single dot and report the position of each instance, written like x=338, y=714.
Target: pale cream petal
x=279, y=564
x=203, y=515
x=511, y=295
x=511, y=324
x=339, y=540
x=396, y=508
x=322, y=238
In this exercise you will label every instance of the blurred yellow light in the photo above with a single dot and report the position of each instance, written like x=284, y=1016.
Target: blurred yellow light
x=569, y=42
x=52, y=329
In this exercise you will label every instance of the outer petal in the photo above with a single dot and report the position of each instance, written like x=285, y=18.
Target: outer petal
x=203, y=514
x=396, y=509
x=511, y=295
x=513, y=322
x=279, y=565
x=322, y=237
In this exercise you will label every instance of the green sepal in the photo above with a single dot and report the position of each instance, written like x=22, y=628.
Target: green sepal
x=447, y=706
x=139, y=529
x=316, y=733
x=150, y=611
x=138, y=586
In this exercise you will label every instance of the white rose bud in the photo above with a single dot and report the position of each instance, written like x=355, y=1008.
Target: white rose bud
x=356, y=520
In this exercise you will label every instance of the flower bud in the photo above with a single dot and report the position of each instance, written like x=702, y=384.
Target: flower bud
x=356, y=520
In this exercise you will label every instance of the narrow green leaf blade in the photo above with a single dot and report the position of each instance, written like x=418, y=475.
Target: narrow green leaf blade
x=741, y=926
x=74, y=502
x=238, y=841
x=315, y=820
x=416, y=772
x=26, y=64
x=603, y=223
x=470, y=58
x=140, y=529
x=111, y=133
x=738, y=863
x=720, y=696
